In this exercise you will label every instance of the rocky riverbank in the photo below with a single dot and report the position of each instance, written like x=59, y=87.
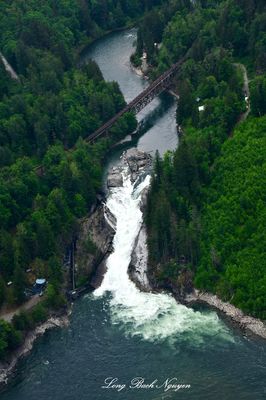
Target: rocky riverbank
x=96, y=234
x=245, y=322
x=139, y=164
x=94, y=245
x=7, y=368
x=143, y=68
x=182, y=289
x=137, y=270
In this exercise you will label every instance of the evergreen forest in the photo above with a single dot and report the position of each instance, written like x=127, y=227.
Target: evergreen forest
x=206, y=212
x=51, y=106
x=206, y=209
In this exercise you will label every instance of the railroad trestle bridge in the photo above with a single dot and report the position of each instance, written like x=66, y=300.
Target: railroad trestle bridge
x=163, y=82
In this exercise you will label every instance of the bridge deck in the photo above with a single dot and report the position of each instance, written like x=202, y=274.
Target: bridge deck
x=136, y=105
x=139, y=102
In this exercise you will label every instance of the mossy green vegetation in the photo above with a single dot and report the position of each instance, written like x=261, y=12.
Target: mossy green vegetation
x=10, y=338
x=45, y=117
x=206, y=208
x=233, y=238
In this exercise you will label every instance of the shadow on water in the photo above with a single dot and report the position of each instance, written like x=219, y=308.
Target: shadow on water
x=149, y=120
x=166, y=101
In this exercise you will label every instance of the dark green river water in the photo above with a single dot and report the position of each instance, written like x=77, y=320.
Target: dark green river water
x=127, y=345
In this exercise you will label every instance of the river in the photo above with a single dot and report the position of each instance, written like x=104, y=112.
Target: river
x=119, y=333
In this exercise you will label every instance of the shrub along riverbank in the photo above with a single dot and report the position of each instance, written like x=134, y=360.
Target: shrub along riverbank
x=206, y=207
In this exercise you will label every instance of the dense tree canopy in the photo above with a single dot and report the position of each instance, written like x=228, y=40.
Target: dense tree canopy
x=234, y=219
x=206, y=208
x=50, y=109
x=53, y=101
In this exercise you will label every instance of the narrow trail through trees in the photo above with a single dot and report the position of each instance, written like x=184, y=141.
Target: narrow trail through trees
x=9, y=68
x=246, y=91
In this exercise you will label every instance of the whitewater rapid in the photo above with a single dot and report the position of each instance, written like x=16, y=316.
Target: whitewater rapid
x=152, y=317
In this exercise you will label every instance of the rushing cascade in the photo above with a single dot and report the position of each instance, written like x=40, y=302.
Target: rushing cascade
x=151, y=316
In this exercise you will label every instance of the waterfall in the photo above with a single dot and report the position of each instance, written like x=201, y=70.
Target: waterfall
x=151, y=316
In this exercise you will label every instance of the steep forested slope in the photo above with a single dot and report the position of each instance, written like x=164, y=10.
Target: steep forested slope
x=206, y=208
x=52, y=106
x=40, y=40
x=233, y=252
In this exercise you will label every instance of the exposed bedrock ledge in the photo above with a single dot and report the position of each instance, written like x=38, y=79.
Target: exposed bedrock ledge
x=97, y=231
x=115, y=178
x=247, y=323
x=184, y=293
x=94, y=245
x=183, y=290
x=137, y=269
x=139, y=164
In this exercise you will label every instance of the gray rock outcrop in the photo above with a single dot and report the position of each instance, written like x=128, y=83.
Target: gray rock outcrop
x=94, y=245
x=137, y=269
x=139, y=164
x=137, y=161
x=7, y=368
x=249, y=324
x=115, y=178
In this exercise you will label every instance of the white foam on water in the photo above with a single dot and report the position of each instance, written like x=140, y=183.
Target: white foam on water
x=153, y=317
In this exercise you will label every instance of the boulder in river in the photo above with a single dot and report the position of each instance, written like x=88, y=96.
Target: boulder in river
x=137, y=161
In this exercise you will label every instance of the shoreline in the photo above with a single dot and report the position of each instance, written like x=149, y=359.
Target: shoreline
x=246, y=323
x=83, y=48
x=7, y=369
x=138, y=71
x=235, y=315
x=55, y=320
x=232, y=314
